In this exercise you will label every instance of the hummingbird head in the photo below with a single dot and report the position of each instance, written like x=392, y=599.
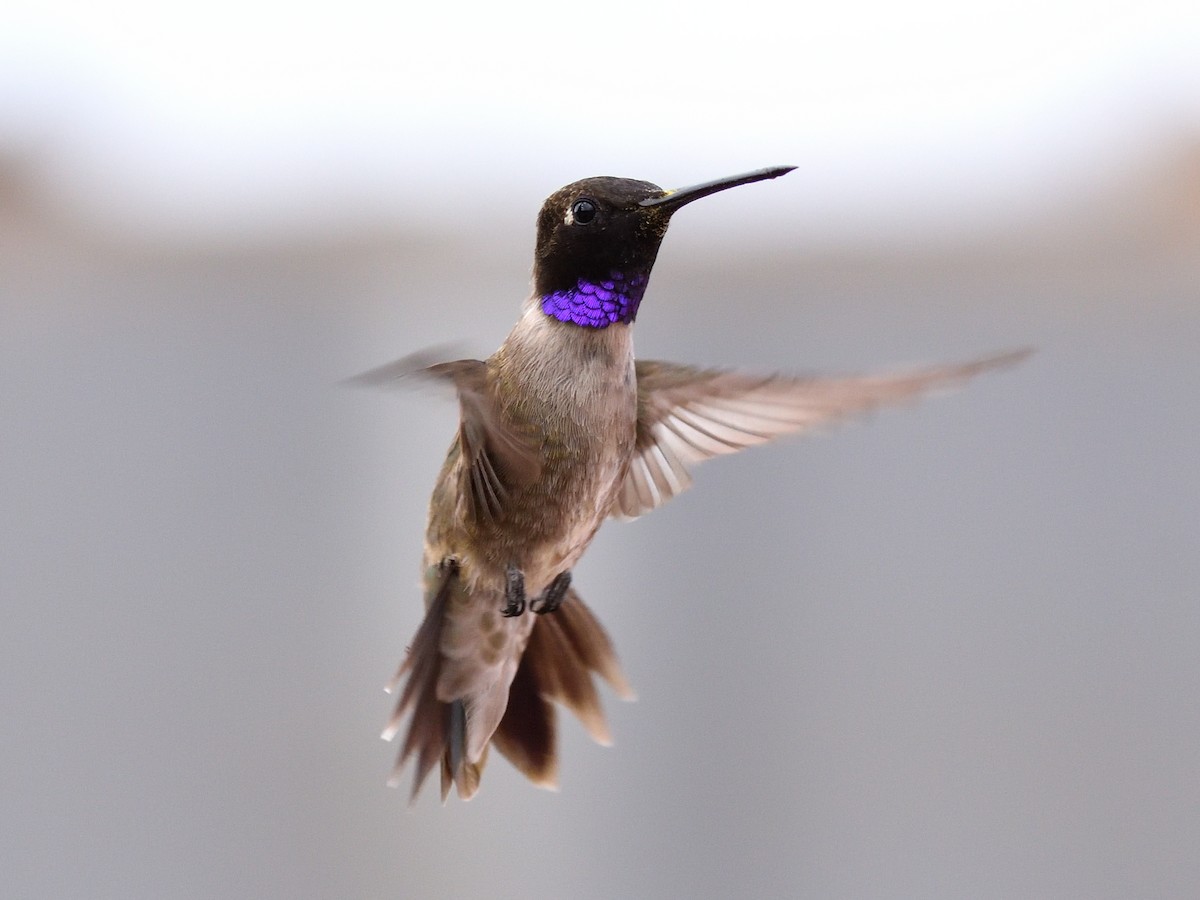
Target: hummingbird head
x=597, y=240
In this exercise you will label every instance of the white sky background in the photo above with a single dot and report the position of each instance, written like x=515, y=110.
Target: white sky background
x=252, y=114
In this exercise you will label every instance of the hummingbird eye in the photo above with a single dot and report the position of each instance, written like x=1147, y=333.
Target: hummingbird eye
x=583, y=211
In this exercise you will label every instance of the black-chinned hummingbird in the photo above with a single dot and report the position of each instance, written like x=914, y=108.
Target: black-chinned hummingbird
x=560, y=429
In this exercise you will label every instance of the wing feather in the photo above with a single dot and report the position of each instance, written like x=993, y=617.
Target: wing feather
x=687, y=415
x=496, y=455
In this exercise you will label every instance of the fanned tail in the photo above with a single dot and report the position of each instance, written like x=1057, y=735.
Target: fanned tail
x=458, y=700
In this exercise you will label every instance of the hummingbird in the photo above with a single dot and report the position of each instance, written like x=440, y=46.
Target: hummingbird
x=561, y=429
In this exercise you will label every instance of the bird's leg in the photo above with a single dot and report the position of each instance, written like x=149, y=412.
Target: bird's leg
x=514, y=593
x=552, y=597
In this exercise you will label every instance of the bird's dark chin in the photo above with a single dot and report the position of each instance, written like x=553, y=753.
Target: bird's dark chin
x=566, y=272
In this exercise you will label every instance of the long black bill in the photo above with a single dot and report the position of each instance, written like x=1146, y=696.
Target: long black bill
x=672, y=200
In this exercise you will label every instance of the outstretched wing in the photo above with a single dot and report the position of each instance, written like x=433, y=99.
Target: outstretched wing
x=496, y=457
x=687, y=415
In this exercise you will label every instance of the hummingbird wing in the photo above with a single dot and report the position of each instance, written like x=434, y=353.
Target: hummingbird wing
x=687, y=415
x=496, y=455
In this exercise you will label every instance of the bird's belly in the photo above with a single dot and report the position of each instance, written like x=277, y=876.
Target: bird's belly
x=560, y=515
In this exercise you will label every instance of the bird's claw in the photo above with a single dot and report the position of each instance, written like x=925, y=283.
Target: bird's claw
x=514, y=593
x=515, y=600
x=552, y=598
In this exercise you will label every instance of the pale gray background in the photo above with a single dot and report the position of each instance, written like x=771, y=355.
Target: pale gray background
x=948, y=652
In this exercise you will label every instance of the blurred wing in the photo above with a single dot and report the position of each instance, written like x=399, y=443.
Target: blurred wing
x=496, y=456
x=687, y=415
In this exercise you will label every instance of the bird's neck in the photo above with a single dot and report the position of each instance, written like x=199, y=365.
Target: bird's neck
x=597, y=303
x=540, y=350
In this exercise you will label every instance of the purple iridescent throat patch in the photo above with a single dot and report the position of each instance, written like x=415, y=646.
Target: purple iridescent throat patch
x=597, y=304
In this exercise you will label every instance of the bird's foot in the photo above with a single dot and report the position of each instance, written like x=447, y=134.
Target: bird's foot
x=514, y=593
x=552, y=597
x=515, y=600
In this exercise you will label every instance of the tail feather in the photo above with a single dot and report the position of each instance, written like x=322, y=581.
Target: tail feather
x=591, y=643
x=563, y=652
x=437, y=729
x=528, y=733
x=456, y=769
x=427, y=730
x=565, y=649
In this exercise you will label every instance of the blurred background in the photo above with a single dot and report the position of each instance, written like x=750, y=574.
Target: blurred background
x=949, y=652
